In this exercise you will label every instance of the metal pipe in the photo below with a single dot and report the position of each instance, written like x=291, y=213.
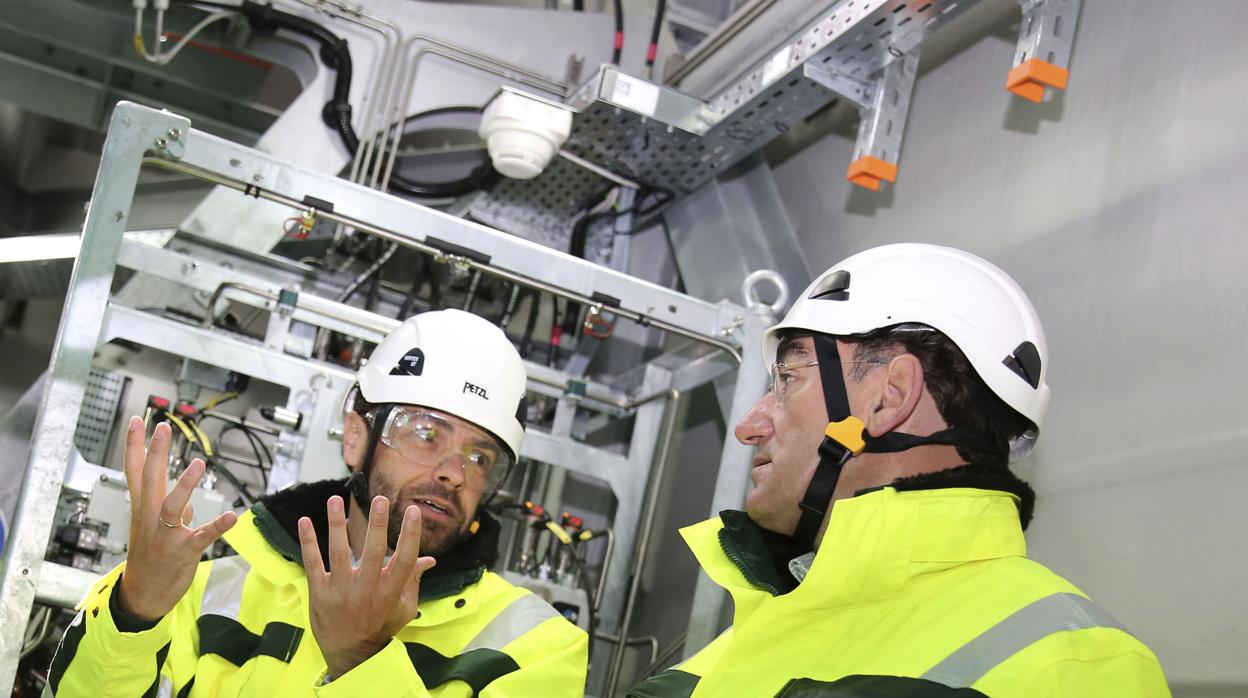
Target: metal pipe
x=647, y=526
x=647, y=640
x=439, y=253
x=597, y=169
x=239, y=421
x=384, y=72
x=241, y=460
x=216, y=296
x=726, y=31
x=606, y=565
x=666, y=655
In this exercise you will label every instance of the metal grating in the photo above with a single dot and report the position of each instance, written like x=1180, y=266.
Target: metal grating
x=40, y=278
x=99, y=415
x=663, y=138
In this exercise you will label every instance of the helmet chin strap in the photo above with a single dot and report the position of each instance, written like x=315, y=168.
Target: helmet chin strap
x=357, y=484
x=845, y=437
x=842, y=440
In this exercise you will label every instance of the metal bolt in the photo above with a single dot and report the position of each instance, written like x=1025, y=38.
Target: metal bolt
x=175, y=134
x=257, y=177
x=161, y=143
x=25, y=571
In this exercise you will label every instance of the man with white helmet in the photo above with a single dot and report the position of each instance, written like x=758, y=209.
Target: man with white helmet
x=377, y=585
x=881, y=552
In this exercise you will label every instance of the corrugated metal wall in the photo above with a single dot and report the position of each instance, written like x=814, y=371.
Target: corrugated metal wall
x=1120, y=207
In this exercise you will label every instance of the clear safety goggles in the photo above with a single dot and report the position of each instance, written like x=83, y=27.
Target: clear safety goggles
x=781, y=375
x=432, y=438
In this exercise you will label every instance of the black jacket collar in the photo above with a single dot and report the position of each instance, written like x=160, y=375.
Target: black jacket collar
x=277, y=518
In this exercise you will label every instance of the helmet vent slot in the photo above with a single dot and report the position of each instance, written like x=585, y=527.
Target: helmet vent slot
x=835, y=287
x=1025, y=361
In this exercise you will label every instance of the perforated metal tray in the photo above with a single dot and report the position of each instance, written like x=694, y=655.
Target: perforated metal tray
x=665, y=139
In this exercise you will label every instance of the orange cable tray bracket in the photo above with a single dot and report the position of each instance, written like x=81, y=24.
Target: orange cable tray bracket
x=868, y=171
x=1029, y=79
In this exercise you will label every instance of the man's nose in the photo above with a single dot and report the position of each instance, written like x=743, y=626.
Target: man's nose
x=450, y=471
x=755, y=428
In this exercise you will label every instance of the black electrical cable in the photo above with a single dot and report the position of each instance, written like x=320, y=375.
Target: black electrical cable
x=435, y=290
x=336, y=55
x=530, y=325
x=248, y=497
x=580, y=232
x=619, y=32
x=374, y=288
x=262, y=453
x=556, y=331
x=653, y=49
x=409, y=301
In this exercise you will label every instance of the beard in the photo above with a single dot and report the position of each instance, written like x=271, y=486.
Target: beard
x=436, y=538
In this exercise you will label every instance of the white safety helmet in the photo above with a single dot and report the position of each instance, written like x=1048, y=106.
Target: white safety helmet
x=455, y=362
x=980, y=308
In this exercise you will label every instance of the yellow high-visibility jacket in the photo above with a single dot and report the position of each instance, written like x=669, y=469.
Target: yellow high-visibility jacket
x=242, y=629
x=914, y=593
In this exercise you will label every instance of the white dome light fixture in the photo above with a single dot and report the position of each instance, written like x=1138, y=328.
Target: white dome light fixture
x=523, y=133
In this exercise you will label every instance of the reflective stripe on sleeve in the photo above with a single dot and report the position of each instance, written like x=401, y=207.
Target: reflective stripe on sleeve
x=1026, y=626
x=520, y=616
x=223, y=594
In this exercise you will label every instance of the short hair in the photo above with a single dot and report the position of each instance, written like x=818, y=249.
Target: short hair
x=962, y=398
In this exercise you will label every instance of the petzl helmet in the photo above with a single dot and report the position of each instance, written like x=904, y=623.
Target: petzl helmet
x=451, y=361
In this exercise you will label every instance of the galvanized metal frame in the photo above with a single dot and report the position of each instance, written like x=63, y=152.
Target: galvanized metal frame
x=1047, y=31
x=131, y=137
x=884, y=118
x=138, y=136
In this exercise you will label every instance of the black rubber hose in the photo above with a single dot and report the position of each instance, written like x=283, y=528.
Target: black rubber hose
x=619, y=32
x=336, y=55
x=653, y=49
x=410, y=300
x=526, y=342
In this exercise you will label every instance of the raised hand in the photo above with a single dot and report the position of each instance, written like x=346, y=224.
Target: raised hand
x=355, y=611
x=164, y=551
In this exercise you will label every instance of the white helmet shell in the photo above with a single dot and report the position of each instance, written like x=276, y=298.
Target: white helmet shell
x=978, y=306
x=455, y=362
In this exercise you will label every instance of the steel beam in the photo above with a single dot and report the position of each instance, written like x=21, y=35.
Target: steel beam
x=131, y=135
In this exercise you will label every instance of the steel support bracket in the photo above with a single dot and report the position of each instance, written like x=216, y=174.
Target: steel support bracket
x=843, y=84
x=883, y=121
x=1045, y=40
x=133, y=133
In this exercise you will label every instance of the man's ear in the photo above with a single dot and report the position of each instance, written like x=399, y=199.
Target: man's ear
x=900, y=388
x=354, y=440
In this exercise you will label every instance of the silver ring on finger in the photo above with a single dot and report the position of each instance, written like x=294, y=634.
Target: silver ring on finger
x=166, y=524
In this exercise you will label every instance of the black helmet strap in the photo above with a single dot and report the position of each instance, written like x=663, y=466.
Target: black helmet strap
x=846, y=437
x=357, y=484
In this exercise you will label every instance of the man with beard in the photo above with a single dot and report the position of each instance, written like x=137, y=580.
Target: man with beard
x=377, y=585
x=881, y=552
